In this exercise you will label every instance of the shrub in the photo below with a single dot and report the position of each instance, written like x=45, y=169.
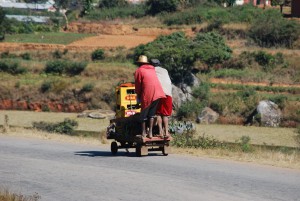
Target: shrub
x=263, y=58
x=26, y=56
x=98, y=54
x=87, y=87
x=182, y=18
x=188, y=140
x=202, y=92
x=56, y=67
x=64, y=67
x=136, y=11
x=211, y=48
x=280, y=100
x=11, y=67
x=272, y=30
x=245, y=144
x=46, y=86
x=65, y=127
x=112, y=3
x=75, y=68
x=158, y=6
x=234, y=63
x=7, y=55
x=190, y=109
x=57, y=54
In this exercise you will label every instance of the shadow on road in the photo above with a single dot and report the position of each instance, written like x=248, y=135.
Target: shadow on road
x=108, y=154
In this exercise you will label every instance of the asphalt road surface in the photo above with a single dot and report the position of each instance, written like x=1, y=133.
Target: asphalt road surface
x=71, y=172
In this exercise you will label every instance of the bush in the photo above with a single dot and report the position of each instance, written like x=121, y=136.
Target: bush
x=87, y=87
x=112, y=3
x=46, y=86
x=272, y=30
x=26, y=56
x=136, y=11
x=98, y=54
x=245, y=144
x=202, y=92
x=211, y=48
x=65, y=127
x=75, y=68
x=182, y=18
x=56, y=67
x=158, y=6
x=280, y=100
x=11, y=67
x=190, y=109
x=178, y=53
x=64, y=67
x=187, y=140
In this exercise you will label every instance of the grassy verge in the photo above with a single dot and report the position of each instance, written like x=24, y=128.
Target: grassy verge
x=92, y=131
x=6, y=195
x=49, y=38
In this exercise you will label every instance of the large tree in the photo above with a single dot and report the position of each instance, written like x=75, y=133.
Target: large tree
x=63, y=6
x=3, y=23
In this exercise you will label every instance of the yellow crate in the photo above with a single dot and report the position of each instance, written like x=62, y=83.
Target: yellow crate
x=126, y=100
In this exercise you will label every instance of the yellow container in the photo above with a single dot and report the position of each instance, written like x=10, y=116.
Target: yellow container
x=126, y=98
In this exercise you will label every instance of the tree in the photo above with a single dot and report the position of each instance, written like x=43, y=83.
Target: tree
x=112, y=3
x=3, y=23
x=159, y=6
x=62, y=7
x=178, y=53
x=87, y=7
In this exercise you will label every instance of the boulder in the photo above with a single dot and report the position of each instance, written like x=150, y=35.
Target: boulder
x=207, y=116
x=179, y=96
x=269, y=113
x=97, y=114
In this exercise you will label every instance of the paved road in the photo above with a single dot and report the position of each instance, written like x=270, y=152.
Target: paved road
x=71, y=172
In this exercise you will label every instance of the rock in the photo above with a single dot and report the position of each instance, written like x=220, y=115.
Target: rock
x=269, y=113
x=207, y=116
x=196, y=81
x=178, y=96
x=97, y=114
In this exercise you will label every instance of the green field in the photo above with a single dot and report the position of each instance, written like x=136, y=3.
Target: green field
x=50, y=38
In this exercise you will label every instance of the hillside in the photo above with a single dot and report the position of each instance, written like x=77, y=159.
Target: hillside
x=251, y=73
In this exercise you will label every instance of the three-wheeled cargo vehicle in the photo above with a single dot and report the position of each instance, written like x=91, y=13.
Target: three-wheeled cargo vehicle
x=125, y=128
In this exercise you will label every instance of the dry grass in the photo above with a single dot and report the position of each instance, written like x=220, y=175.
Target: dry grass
x=25, y=119
x=264, y=157
x=258, y=135
x=6, y=195
x=240, y=45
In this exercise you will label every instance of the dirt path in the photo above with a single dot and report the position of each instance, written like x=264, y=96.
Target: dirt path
x=110, y=41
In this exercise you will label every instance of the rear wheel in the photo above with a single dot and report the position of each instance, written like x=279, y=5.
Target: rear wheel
x=114, y=148
x=165, y=150
x=138, y=150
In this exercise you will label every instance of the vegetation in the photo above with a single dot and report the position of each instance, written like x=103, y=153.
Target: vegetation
x=45, y=37
x=61, y=67
x=178, y=53
x=271, y=30
x=98, y=54
x=6, y=195
x=11, y=67
x=65, y=127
